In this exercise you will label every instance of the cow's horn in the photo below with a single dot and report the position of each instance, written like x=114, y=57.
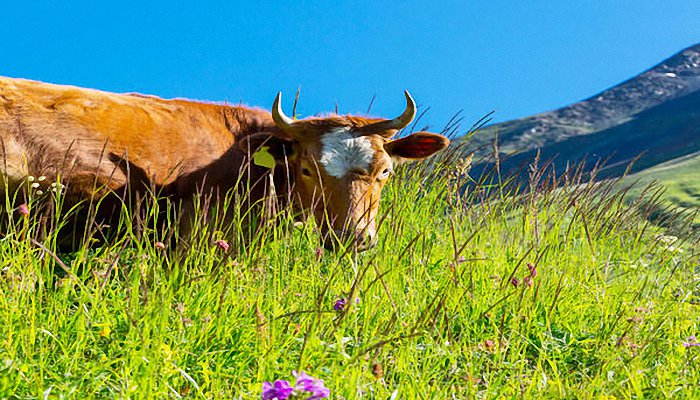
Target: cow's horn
x=281, y=120
x=388, y=128
x=407, y=116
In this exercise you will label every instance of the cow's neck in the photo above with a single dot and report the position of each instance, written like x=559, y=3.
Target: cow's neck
x=244, y=121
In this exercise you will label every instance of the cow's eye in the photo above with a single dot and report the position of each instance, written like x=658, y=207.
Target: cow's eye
x=385, y=173
x=305, y=171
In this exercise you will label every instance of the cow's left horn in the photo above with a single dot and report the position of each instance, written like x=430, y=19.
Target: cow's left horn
x=407, y=116
x=281, y=120
x=388, y=128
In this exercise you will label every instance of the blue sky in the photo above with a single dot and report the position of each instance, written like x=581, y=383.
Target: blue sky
x=514, y=57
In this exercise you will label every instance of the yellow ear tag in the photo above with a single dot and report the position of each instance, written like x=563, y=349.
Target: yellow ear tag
x=263, y=158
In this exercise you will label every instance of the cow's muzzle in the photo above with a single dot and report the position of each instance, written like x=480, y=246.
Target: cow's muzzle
x=358, y=240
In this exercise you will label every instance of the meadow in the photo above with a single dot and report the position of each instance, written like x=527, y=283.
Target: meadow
x=480, y=287
x=679, y=180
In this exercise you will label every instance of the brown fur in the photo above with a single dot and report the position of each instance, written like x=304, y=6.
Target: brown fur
x=101, y=143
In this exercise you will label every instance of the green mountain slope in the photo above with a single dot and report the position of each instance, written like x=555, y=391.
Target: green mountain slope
x=680, y=179
x=659, y=134
x=655, y=114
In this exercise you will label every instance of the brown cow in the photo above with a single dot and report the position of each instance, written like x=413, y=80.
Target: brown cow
x=98, y=143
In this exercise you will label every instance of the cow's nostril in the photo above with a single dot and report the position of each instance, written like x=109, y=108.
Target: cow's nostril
x=360, y=240
x=371, y=238
x=366, y=240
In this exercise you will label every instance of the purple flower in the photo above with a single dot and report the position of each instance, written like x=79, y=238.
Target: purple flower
x=279, y=390
x=515, y=282
x=303, y=378
x=533, y=270
x=527, y=281
x=692, y=342
x=23, y=209
x=305, y=385
x=340, y=305
x=223, y=245
x=311, y=385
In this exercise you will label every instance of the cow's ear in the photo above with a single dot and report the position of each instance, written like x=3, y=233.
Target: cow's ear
x=416, y=146
x=262, y=145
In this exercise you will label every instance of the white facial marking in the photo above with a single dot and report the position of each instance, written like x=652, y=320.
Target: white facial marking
x=342, y=152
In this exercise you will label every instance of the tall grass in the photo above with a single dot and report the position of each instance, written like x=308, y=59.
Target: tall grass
x=479, y=287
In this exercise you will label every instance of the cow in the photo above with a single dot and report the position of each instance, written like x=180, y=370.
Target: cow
x=93, y=143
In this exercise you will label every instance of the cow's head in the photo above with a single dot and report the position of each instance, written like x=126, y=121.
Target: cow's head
x=340, y=164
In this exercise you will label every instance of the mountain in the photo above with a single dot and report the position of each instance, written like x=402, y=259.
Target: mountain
x=680, y=179
x=656, y=114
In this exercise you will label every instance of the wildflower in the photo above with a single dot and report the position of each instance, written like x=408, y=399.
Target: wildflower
x=305, y=385
x=515, y=282
x=527, y=281
x=377, y=370
x=35, y=185
x=489, y=345
x=105, y=329
x=674, y=249
x=39, y=192
x=319, y=253
x=57, y=187
x=692, y=342
x=340, y=304
x=41, y=178
x=223, y=245
x=533, y=269
x=668, y=239
x=279, y=390
x=311, y=385
x=159, y=245
x=23, y=209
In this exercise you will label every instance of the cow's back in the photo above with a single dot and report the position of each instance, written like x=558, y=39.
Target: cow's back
x=84, y=134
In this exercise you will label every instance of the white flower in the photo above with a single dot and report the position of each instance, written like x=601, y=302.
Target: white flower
x=35, y=185
x=42, y=178
x=39, y=192
x=674, y=249
x=668, y=239
x=30, y=178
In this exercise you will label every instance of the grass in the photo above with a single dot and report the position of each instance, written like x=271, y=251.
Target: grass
x=613, y=301
x=679, y=180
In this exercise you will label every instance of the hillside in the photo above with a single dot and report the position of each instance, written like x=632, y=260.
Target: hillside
x=678, y=177
x=656, y=113
x=485, y=294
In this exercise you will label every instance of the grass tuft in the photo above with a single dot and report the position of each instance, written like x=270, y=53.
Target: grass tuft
x=480, y=286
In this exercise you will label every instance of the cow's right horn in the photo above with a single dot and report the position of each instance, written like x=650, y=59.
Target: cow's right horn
x=281, y=120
